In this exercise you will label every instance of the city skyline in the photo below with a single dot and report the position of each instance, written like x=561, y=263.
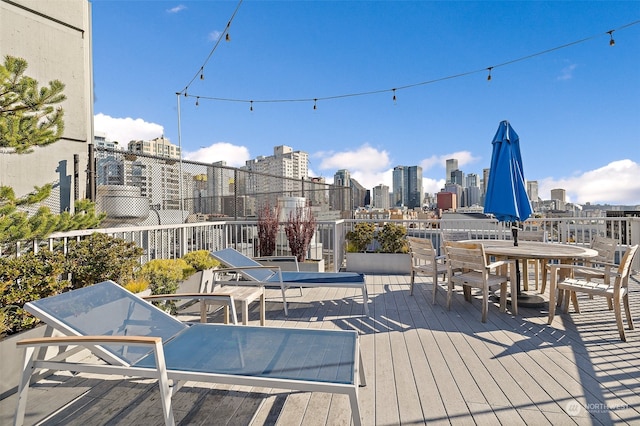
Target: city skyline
x=575, y=108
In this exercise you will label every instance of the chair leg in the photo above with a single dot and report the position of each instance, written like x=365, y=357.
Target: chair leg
x=618, y=312
x=435, y=287
x=552, y=301
x=574, y=300
x=485, y=304
x=627, y=311
x=449, y=293
x=503, y=297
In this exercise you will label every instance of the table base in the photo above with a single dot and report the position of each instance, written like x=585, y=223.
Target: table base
x=527, y=299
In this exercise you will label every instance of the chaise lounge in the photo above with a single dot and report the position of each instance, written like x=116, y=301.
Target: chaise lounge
x=134, y=338
x=257, y=274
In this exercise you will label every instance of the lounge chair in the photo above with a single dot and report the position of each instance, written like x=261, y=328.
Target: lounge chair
x=257, y=274
x=134, y=338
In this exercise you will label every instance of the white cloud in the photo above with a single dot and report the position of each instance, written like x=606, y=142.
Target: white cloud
x=177, y=9
x=234, y=155
x=616, y=183
x=464, y=158
x=364, y=157
x=127, y=129
x=567, y=72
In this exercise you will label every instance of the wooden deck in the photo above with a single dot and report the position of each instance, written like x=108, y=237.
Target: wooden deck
x=423, y=364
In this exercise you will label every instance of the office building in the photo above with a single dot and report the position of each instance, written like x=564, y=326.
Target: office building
x=161, y=147
x=407, y=186
x=451, y=165
x=380, y=197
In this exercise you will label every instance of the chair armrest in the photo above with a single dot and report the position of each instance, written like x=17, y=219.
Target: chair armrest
x=555, y=267
x=90, y=340
x=246, y=268
x=499, y=263
x=227, y=299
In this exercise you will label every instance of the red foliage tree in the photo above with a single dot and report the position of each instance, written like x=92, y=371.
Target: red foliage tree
x=299, y=229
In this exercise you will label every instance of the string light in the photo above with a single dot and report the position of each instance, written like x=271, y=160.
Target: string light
x=408, y=86
x=227, y=37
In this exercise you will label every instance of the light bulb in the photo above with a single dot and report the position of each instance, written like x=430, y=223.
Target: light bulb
x=394, y=96
x=314, y=104
x=197, y=100
x=227, y=37
x=201, y=74
x=612, y=42
x=251, y=106
x=489, y=76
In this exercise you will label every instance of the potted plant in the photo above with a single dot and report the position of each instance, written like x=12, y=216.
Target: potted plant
x=200, y=265
x=268, y=224
x=299, y=229
x=384, y=252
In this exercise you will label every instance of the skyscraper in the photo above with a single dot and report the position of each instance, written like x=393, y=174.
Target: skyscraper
x=381, y=196
x=452, y=164
x=407, y=186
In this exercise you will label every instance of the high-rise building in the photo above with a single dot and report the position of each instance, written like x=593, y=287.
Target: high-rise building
x=532, y=190
x=285, y=162
x=414, y=187
x=457, y=176
x=452, y=164
x=398, y=186
x=472, y=180
x=381, y=196
x=407, y=186
x=455, y=189
x=342, y=200
x=559, y=194
x=161, y=147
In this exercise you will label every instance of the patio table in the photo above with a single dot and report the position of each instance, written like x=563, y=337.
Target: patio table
x=525, y=250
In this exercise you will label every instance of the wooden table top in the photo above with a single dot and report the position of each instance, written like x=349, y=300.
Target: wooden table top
x=535, y=250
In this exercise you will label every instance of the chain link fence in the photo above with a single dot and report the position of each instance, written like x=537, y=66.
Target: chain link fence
x=134, y=188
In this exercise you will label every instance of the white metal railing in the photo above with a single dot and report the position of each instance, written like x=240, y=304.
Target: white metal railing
x=172, y=241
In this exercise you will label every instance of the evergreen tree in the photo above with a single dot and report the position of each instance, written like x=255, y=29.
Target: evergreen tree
x=28, y=115
x=28, y=118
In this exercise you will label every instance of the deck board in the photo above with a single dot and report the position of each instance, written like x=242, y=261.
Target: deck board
x=423, y=365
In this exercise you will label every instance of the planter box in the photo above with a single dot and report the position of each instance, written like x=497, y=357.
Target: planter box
x=379, y=263
x=12, y=358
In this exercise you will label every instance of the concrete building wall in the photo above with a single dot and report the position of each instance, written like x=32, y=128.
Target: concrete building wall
x=54, y=37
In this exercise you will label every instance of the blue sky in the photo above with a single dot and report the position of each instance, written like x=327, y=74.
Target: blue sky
x=576, y=109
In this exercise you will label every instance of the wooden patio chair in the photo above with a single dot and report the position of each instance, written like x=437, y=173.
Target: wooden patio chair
x=424, y=260
x=474, y=271
x=616, y=292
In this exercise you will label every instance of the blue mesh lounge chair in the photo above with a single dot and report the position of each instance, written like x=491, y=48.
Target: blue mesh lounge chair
x=256, y=274
x=134, y=338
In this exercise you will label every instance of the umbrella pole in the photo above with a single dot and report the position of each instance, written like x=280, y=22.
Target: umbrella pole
x=514, y=233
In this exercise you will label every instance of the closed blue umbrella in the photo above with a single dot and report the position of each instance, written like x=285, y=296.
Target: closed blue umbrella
x=506, y=197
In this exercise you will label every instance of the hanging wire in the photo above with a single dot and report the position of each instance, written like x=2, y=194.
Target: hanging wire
x=224, y=34
x=409, y=86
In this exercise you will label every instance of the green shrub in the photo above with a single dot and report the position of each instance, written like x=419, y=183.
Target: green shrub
x=360, y=237
x=200, y=260
x=27, y=278
x=163, y=276
x=392, y=238
x=100, y=257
